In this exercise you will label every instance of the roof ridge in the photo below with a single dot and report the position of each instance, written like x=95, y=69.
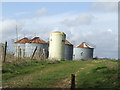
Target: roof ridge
x=33, y=40
x=84, y=45
x=68, y=43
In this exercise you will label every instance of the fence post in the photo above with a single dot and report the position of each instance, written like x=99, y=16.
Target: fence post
x=5, y=49
x=34, y=53
x=72, y=81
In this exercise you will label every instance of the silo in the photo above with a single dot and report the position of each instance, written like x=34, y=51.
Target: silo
x=57, y=45
x=20, y=47
x=68, y=50
x=42, y=48
x=83, y=52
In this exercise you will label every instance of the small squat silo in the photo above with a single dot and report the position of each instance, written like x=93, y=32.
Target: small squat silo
x=68, y=50
x=42, y=48
x=57, y=45
x=20, y=47
x=83, y=52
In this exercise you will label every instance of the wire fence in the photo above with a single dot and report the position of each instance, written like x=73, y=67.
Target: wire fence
x=6, y=55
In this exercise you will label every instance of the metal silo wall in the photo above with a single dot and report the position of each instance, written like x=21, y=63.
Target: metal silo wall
x=57, y=45
x=17, y=48
x=68, y=52
x=30, y=47
x=40, y=47
x=87, y=53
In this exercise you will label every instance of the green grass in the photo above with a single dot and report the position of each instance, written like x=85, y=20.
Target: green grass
x=101, y=75
x=51, y=74
x=13, y=69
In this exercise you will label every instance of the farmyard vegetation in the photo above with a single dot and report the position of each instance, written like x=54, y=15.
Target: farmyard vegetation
x=57, y=74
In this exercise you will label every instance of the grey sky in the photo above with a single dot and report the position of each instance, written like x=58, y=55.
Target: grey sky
x=95, y=23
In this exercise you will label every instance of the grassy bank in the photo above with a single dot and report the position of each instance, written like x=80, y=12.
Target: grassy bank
x=49, y=74
x=103, y=74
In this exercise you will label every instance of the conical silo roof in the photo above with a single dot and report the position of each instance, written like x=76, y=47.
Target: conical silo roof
x=84, y=45
x=37, y=40
x=68, y=43
x=23, y=40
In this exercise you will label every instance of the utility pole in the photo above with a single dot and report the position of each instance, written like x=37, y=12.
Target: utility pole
x=16, y=40
x=16, y=33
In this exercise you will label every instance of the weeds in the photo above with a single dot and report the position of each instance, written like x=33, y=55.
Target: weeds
x=99, y=77
x=45, y=73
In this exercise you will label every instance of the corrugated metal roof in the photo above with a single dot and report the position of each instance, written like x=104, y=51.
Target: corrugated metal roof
x=24, y=40
x=34, y=40
x=68, y=43
x=37, y=40
x=83, y=45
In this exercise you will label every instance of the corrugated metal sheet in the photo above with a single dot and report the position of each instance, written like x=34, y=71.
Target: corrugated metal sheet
x=37, y=40
x=34, y=40
x=30, y=47
x=19, y=47
x=68, y=43
x=23, y=40
x=82, y=53
x=27, y=46
x=83, y=45
x=68, y=50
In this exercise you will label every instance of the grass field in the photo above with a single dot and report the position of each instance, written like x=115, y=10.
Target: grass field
x=57, y=74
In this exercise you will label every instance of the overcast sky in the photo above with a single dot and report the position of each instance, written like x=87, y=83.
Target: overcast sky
x=93, y=22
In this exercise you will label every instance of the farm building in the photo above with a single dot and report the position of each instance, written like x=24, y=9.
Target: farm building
x=57, y=45
x=68, y=50
x=83, y=51
x=59, y=48
x=25, y=47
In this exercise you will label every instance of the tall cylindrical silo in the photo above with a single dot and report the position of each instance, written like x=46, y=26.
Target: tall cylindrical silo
x=83, y=51
x=68, y=50
x=57, y=45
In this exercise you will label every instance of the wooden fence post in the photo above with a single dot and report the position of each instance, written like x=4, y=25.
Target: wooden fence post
x=34, y=52
x=72, y=81
x=5, y=49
